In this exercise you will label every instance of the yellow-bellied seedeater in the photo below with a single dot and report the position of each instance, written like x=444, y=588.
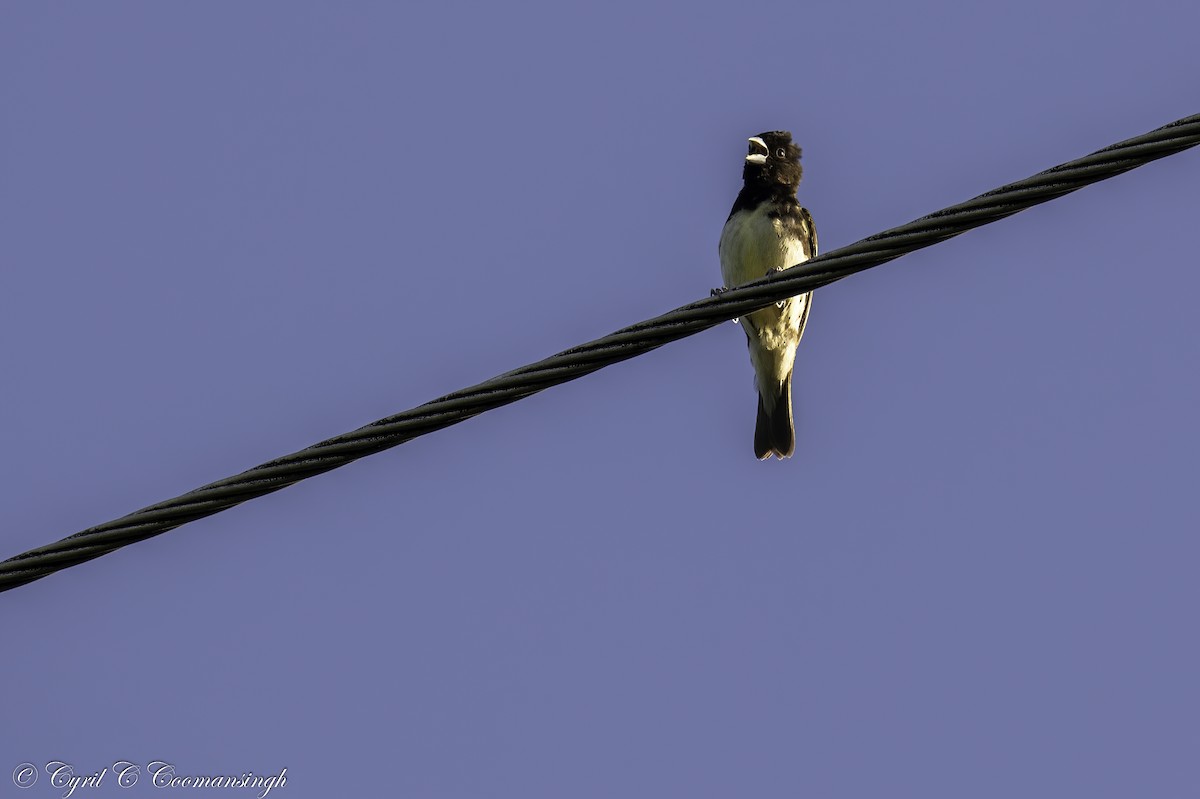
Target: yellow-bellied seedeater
x=768, y=231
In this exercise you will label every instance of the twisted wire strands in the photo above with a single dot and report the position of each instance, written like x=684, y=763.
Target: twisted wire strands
x=586, y=358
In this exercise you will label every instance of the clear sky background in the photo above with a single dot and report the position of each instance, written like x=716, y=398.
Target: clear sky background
x=230, y=230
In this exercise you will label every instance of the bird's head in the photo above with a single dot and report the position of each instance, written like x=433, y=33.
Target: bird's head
x=773, y=158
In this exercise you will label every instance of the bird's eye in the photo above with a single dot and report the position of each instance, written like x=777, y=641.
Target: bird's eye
x=780, y=153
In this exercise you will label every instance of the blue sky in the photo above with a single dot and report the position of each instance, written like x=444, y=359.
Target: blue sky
x=231, y=230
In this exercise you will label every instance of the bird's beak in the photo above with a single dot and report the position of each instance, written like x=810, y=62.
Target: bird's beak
x=757, y=145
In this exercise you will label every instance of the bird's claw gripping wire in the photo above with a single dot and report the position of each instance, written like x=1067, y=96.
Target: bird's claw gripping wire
x=717, y=292
x=774, y=271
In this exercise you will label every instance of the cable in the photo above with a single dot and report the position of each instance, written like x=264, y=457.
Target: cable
x=587, y=358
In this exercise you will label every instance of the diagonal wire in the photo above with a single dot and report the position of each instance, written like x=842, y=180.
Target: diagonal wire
x=587, y=358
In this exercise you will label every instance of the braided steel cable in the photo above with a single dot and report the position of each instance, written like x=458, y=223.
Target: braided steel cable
x=592, y=356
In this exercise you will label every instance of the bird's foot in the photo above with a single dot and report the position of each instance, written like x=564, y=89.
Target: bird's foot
x=717, y=292
x=774, y=271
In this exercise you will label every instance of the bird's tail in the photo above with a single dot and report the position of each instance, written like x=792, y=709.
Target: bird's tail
x=773, y=433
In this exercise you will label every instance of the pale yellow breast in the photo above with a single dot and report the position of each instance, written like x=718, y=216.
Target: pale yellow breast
x=752, y=245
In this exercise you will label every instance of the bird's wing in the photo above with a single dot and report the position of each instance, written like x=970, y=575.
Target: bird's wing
x=808, y=233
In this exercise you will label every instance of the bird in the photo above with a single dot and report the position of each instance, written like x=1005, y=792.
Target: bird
x=768, y=231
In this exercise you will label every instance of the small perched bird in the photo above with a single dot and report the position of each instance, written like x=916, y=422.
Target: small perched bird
x=768, y=231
